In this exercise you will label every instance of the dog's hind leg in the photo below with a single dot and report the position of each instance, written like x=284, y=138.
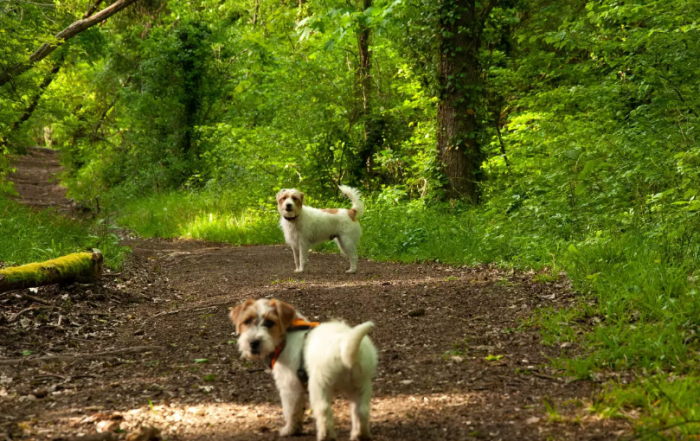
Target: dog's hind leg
x=350, y=252
x=359, y=411
x=322, y=407
x=340, y=246
x=293, y=408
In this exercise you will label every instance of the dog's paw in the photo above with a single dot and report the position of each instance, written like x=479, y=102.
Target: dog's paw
x=298, y=271
x=290, y=431
x=351, y=271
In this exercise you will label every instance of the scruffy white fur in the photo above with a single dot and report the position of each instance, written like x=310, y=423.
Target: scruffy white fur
x=306, y=226
x=338, y=359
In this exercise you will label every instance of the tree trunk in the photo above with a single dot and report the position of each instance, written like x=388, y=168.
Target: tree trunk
x=73, y=267
x=372, y=132
x=460, y=91
x=71, y=31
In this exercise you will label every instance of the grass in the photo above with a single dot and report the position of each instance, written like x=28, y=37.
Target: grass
x=216, y=218
x=32, y=236
x=639, y=309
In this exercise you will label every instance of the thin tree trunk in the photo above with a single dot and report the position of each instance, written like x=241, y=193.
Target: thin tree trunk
x=255, y=12
x=71, y=31
x=460, y=79
x=372, y=133
x=48, y=79
x=92, y=9
x=110, y=106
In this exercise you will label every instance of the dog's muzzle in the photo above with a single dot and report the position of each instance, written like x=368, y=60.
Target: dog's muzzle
x=288, y=208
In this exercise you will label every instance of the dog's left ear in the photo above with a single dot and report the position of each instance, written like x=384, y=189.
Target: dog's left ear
x=286, y=313
x=301, y=197
x=279, y=193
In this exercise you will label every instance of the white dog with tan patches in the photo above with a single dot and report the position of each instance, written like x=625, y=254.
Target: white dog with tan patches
x=327, y=358
x=306, y=226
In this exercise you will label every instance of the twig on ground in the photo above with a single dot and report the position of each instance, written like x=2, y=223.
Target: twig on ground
x=88, y=356
x=177, y=311
x=545, y=377
x=36, y=299
x=24, y=311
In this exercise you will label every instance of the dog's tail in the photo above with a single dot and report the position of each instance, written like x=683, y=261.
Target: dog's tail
x=354, y=195
x=350, y=346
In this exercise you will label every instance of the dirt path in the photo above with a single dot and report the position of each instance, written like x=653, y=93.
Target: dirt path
x=464, y=369
x=36, y=179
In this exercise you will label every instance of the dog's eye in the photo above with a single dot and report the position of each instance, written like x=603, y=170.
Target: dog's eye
x=248, y=322
x=294, y=198
x=268, y=323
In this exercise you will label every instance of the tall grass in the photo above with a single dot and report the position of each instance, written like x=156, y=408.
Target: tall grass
x=201, y=215
x=27, y=235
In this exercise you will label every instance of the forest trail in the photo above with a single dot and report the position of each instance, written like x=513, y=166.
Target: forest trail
x=36, y=179
x=454, y=361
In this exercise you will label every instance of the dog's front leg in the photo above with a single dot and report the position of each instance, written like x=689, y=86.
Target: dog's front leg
x=303, y=251
x=296, y=256
x=322, y=407
x=293, y=409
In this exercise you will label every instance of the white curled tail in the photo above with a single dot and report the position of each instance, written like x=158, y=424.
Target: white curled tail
x=354, y=195
x=350, y=346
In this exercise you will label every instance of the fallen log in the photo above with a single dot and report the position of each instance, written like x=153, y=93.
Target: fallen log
x=88, y=356
x=78, y=267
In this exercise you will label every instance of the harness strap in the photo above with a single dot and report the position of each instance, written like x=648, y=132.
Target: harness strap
x=297, y=325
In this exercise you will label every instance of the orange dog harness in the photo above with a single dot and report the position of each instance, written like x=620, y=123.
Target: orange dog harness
x=297, y=325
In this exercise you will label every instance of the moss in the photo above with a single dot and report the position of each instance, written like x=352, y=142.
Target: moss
x=72, y=264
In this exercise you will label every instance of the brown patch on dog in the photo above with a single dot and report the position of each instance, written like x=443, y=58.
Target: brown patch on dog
x=353, y=214
x=298, y=201
x=242, y=313
x=282, y=316
x=286, y=313
x=330, y=210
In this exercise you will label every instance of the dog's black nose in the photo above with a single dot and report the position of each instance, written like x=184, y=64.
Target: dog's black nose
x=288, y=208
x=255, y=346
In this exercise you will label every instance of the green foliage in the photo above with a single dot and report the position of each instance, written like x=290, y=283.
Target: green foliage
x=30, y=236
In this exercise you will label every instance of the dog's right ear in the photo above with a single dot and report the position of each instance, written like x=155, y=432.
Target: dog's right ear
x=286, y=313
x=236, y=313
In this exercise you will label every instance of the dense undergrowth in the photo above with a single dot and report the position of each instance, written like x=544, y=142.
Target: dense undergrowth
x=32, y=236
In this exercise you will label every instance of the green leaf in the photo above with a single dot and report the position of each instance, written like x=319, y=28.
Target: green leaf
x=201, y=360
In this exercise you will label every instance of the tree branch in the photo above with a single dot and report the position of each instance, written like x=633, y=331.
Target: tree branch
x=71, y=31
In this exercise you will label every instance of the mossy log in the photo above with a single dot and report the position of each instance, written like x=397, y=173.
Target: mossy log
x=78, y=267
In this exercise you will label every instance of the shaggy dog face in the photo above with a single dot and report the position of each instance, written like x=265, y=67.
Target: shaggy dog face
x=262, y=325
x=290, y=202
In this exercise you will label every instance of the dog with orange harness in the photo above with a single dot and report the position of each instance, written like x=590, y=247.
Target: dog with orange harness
x=323, y=358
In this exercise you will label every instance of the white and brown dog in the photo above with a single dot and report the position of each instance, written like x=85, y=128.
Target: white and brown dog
x=306, y=226
x=327, y=358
